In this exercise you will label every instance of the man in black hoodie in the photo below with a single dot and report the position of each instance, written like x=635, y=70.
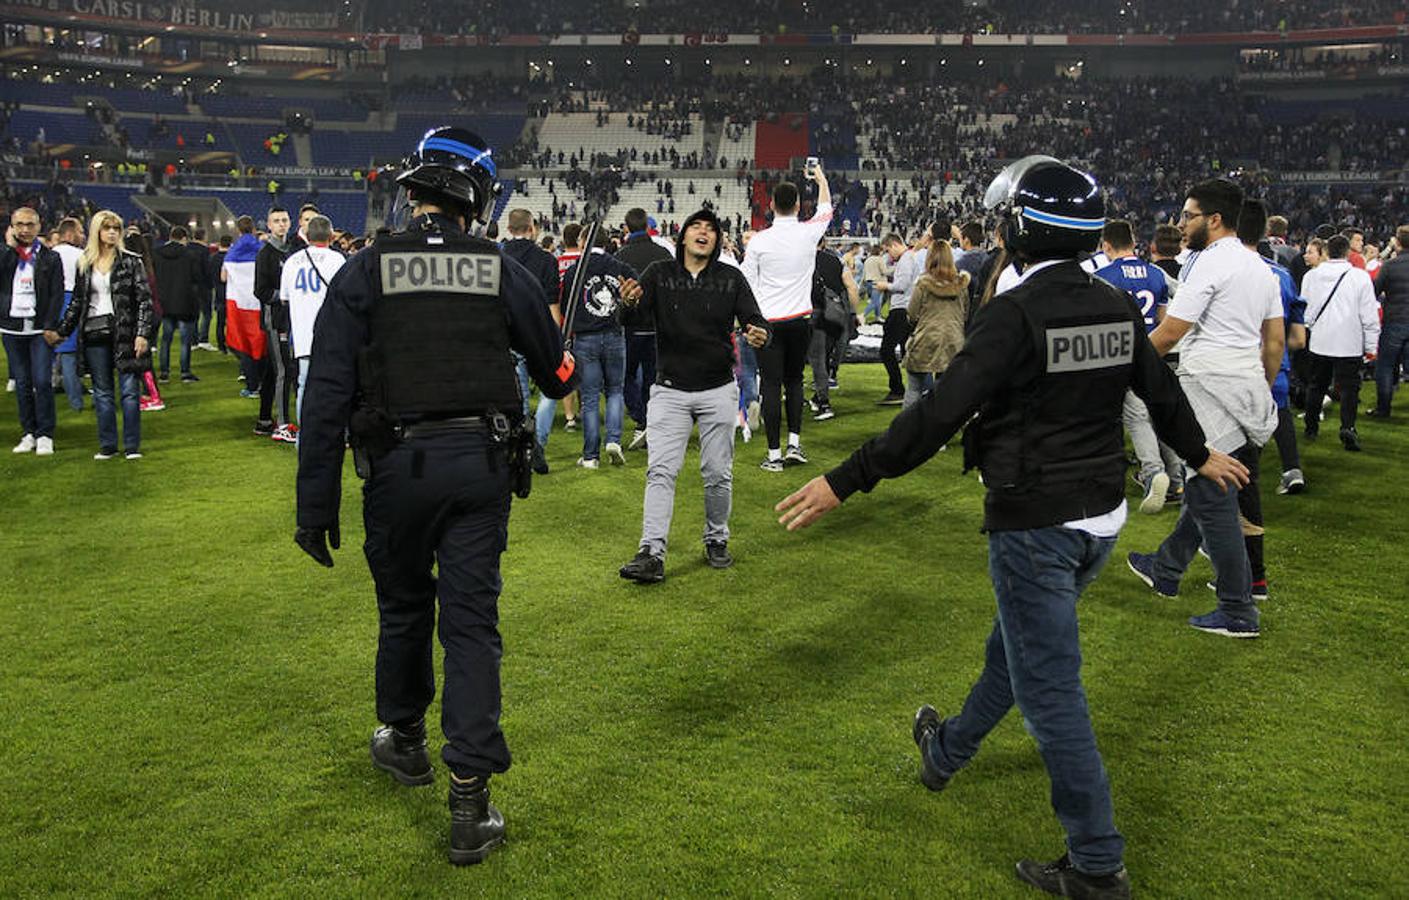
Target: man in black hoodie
x=693, y=301
x=179, y=280
x=278, y=374
x=639, y=251
x=543, y=266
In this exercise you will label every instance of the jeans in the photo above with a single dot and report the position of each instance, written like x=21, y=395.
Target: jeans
x=100, y=365
x=916, y=383
x=521, y=370
x=302, y=381
x=873, y=305
x=1392, y=352
x=1154, y=455
x=169, y=325
x=1033, y=660
x=601, y=362
x=73, y=382
x=1210, y=516
x=543, y=418
x=640, y=375
x=747, y=374
x=32, y=367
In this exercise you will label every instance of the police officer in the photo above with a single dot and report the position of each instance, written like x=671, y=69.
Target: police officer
x=412, y=355
x=1045, y=368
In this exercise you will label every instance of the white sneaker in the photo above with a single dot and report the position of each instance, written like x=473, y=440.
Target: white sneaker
x=44, y=446
x=1155, y=493
x=104, y=455
x=614, y=455
x=638, y=440
x=26, y=444
x=134, y=454
x=10, y=388
x=588, y=463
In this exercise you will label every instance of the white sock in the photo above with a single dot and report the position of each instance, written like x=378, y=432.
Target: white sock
x=775, y=453
x=794, y=439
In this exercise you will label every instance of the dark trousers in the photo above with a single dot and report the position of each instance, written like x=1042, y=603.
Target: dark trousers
x=441, y=503
x=1250, y=511
x=893, y=338
x=1345, y=370
x=32, y=367
x=1033, y=660
x=780, y=366
x=640, y=375
x=203, y=321
x=1209, y=517
x=1391, y=355
x=220, y=327
x=278, y=376
x=1285, y=436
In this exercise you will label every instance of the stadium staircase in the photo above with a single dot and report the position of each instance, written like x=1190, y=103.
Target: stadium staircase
x=778, y=143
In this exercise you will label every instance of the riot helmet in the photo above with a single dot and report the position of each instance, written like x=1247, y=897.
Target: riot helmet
x=456, y=164
x=1049, y=209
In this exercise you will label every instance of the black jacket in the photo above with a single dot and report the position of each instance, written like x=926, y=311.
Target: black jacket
x=639, y=252
x=268, y=269
x=200, y=255
x=1044, y=462
x=342, y=330
x=1392, y=284
x=599, y=307
x=133, y=314
x=48, y=288
x=178, y=281
x=539, y=262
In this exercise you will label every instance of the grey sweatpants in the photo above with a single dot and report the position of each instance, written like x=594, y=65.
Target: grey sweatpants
x=673, y=414
x=1154, y=456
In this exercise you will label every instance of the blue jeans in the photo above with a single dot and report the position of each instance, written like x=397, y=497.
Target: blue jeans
x=640, y=375
x=1392, y=352
x=601, y=362
x=100, y=365
x=1210, y=516
x=543, y=418
x=747, y=375
x=873, y=305
x=32, y=366
x=521, y=370
x=73, y=382
x=188, y=340
x=1033, y=659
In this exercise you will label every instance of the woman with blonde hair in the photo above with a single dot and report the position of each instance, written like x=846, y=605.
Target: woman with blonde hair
x=112, y=315
x=937, y=310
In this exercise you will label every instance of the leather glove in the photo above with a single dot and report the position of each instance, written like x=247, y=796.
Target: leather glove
x=315, y=541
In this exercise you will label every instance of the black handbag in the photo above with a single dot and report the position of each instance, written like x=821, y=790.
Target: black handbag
x=98, y=329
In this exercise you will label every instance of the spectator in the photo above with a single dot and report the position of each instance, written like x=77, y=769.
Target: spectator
x=69, y=246
x=303, y=284
x=937, y=311
x=178, y=276
x=31, y=298
x=1393, y=351
x=638, y=251
x=1343, y=317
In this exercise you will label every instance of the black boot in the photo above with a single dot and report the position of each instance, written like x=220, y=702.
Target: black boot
x=1063, y=879
x=402, y=752
x=476, y=827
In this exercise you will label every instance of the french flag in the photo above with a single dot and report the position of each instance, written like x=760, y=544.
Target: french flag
x=243, y=330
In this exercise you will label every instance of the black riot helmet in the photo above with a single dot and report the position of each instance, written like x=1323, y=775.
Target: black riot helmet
x=457, y=165
x=1050, y=210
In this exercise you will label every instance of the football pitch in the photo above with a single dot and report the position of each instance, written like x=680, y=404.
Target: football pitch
x=187, y=698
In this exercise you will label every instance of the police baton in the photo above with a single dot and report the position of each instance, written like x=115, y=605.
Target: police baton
x=579, y=278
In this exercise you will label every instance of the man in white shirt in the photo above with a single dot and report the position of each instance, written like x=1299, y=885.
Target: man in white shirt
x=779, y=265
x=1344, y=317
x=303, y=285
x=70, y=248
x=1228, y=311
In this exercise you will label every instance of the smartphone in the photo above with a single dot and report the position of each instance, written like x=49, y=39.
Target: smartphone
x=811, y=166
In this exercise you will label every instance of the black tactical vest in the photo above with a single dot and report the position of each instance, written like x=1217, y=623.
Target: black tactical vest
x=1059, y=434
x=439, y=343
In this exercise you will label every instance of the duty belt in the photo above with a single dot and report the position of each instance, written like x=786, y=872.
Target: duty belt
x=444, y=426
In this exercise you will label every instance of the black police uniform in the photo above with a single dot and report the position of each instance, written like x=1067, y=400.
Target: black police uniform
x=416, y=333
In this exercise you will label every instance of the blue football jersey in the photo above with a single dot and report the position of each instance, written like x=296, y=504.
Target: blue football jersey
x=1145, y=283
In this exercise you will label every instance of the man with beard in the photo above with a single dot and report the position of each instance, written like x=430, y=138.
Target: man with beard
x=693, y=301
x=1228, y=311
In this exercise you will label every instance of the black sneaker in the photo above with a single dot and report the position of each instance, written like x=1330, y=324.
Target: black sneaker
x=644, y=568
x=1350, y=440
x=266, y=429
x=717, y=554
x=164, y=377
x=891, y=399
x=540, y=462
x=771, y=465
x=1310, y=433
x=1377, y=413
x=1063, y=879
x=823, y=412
x=189, y=378
x=926, y=725
x=403, y=753
x=794, y=456
x=476, y=826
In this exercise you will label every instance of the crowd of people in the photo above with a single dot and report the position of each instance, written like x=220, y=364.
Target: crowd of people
x=499, y=18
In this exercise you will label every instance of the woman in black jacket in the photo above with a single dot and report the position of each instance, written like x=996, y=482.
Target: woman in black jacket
x=112, y=314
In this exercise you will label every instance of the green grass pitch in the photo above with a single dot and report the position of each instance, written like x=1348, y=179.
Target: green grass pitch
x=187, y=698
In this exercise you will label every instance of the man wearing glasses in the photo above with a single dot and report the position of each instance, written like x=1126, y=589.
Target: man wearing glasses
x=1228, y=311
x=31, y=300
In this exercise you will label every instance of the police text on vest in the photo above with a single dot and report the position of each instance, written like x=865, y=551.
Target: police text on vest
x=441, y=273
x=1082, y=347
